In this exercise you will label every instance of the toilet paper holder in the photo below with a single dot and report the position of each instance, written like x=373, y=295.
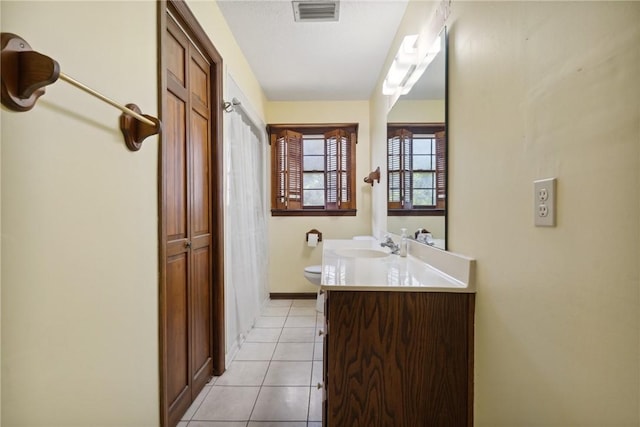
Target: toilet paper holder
x=313, y=231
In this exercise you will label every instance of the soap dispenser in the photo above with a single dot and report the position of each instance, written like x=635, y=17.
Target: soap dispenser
x=404, y=243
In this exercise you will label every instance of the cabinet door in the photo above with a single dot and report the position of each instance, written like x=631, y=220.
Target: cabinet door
x=399, y=359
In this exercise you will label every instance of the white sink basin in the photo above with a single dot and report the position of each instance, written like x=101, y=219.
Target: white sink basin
x=361, y=253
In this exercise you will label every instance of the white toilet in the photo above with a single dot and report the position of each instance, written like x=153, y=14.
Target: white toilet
x=313, y=273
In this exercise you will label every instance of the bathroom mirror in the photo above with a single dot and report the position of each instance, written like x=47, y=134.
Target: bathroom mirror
x=417, y=192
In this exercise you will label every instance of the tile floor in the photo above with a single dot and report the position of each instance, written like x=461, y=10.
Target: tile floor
x=272, y=380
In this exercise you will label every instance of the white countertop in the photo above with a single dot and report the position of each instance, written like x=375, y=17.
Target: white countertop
x=392, y=272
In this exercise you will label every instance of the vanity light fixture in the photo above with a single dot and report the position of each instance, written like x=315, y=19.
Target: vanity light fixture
x=407, y=66
x=422, y=66
x=403, y=65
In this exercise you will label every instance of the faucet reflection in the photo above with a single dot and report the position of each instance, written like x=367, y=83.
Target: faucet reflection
x=389, y=243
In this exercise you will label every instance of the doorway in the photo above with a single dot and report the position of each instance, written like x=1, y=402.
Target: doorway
x=191, y=312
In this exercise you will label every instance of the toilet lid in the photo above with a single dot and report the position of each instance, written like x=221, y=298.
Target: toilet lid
x=317, y=269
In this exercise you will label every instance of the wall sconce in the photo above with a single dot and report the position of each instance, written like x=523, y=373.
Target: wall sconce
x=408, y=66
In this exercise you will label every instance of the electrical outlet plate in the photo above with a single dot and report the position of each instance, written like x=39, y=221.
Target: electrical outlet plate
x=544, y=202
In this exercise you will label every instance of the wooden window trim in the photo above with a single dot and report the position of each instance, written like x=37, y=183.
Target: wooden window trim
x=416, y=212
x=347, y=205
x=394, y=208
x=314, y=212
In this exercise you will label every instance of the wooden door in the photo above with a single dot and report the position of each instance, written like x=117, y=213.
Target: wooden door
x=190, y=216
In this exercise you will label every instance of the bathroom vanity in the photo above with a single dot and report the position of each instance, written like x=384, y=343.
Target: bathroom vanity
x=398, y=341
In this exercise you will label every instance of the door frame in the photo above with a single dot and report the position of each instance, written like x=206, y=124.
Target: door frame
x=186, y=19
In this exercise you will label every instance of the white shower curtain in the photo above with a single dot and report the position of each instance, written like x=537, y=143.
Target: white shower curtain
x=245, y=224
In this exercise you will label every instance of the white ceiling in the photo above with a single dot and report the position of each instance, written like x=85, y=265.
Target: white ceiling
x=312, y=61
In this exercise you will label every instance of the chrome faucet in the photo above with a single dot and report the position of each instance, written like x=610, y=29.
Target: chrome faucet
x=389, y=243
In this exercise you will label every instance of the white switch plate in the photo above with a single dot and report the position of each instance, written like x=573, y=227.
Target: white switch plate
x=544, y=202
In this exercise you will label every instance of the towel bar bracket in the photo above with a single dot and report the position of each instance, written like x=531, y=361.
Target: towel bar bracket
x=25, y=74
x=135, y=131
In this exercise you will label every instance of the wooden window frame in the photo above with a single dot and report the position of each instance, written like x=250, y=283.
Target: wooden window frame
x=423, y=128
x=281, y=205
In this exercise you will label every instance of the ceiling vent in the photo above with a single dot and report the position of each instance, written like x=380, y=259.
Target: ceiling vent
x=315, y=11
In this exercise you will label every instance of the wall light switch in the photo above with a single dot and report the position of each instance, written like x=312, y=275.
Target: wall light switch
x=544, y=202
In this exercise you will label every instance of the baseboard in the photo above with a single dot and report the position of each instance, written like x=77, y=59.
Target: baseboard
x=295, y=295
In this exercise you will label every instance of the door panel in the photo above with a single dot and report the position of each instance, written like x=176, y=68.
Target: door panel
x=201, y=176
x=199, y=74
x=177, y=320
x=175, y=55
x=175, y=173
x=201, y=308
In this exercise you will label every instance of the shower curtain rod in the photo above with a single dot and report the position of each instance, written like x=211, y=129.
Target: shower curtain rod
x=236, y=105
x=25, y=73
x=230, y=107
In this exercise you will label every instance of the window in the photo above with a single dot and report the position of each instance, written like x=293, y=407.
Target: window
x=416, y=165
x=313, y=169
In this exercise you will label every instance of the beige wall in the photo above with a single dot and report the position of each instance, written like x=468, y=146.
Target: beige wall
x=540, y=90
x=417, y=111
x=288, y=251
x=212, y=21
x=79, y=228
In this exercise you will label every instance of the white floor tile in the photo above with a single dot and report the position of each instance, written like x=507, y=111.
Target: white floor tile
x=300, y=322
x=256, y=351
x=217, y=424
x=277, y=424
x=318, y=352
x=264, y=335
x=275, y=311
x=244, y=373
x=302, y=311
x=196, y=403
x=272, y=381
x=270, y=321
x=293, y=351
x=227, y=404
x=316, y=377
x=288, y=373
x=315, y=404
x=281, y=404
x=297, y=335
x=304, y=303
x=279, y=303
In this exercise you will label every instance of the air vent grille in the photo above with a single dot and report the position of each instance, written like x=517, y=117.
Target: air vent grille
x=315, y=11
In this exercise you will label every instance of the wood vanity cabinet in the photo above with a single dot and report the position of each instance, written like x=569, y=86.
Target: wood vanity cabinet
x=398, y=359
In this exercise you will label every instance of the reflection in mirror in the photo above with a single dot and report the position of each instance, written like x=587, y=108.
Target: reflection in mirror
x=416, y=156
